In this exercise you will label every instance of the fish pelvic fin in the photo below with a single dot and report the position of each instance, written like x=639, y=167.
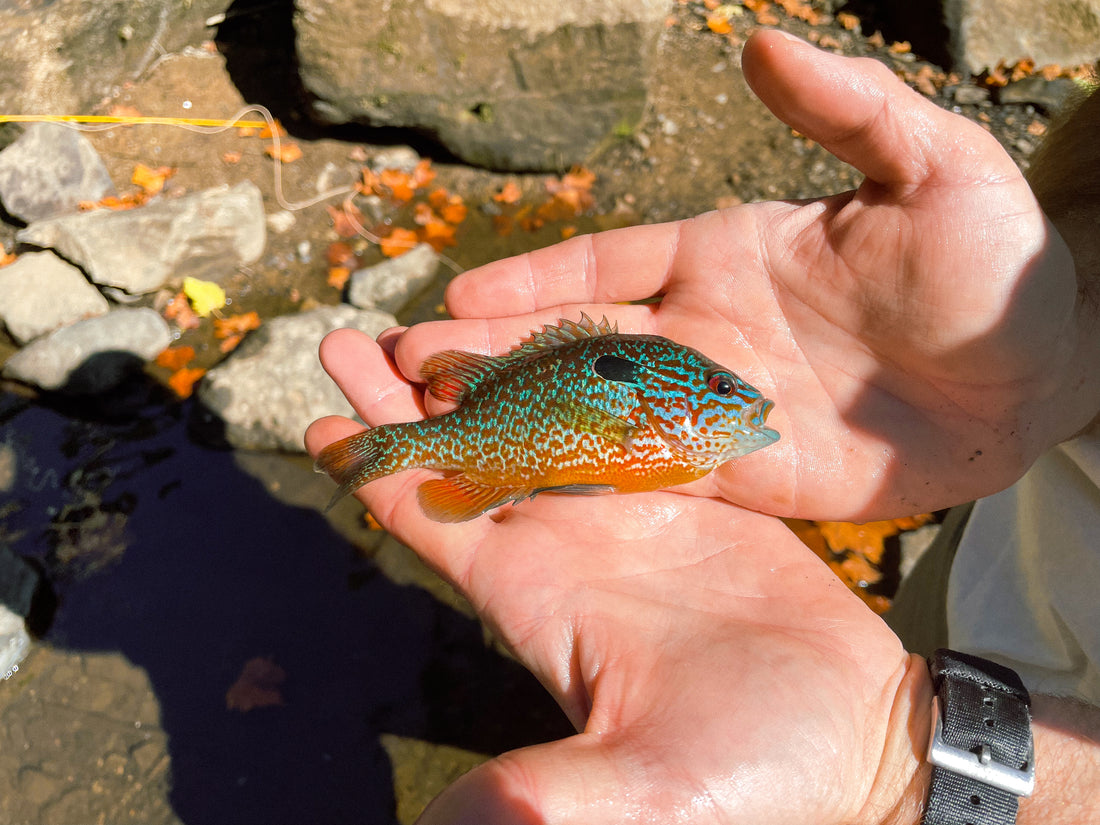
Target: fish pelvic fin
x=453, y=374
x=351, y=462
x=461, y=498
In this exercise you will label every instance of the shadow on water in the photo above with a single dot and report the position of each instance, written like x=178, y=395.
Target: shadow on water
x=166, y=551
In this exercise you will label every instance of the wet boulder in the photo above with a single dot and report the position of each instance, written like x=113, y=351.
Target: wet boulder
x=91, y=356
x=49, y=171
x=39, y=293
x=203, y=235
x=67, y=55
x=984, y=32
x=269, y=389
x=392, y=283
x=512, y=86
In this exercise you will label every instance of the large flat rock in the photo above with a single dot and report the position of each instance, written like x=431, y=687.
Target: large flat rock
x=503, y=85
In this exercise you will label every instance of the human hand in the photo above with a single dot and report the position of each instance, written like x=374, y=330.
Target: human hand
x=717, y=671
x=921, y=336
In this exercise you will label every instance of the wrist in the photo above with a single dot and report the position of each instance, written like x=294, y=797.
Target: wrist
x=901, y=785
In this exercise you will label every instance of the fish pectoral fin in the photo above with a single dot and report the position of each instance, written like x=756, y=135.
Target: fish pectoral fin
x=592, y=420
x=461, y=498
x=452, y=374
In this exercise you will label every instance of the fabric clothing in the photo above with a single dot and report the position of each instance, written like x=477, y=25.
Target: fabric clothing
x=1024, y=588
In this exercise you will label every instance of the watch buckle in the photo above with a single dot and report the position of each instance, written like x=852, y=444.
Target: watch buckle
x=979, y=766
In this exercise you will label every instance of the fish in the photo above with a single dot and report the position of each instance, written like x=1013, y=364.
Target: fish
x=576, y=408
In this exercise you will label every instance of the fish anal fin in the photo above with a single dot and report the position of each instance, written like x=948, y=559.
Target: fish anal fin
x=452, y=374
x=461, y=498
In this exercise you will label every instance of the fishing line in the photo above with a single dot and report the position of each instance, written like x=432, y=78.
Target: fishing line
x=214, y=126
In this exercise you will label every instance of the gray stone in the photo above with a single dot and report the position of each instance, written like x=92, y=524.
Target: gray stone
x=39, y=293
x=273, y=386
x=389, y=285
x=984, y=32
x=204, y=235
x=94, y=355
x=48, y=171
x=505, y=85
x=67, y=55
x=1049, y=95
x=970, y=95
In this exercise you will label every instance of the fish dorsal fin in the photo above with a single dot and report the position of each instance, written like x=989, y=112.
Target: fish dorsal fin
x=453, y=374
x=460, y=498
x=565, y=332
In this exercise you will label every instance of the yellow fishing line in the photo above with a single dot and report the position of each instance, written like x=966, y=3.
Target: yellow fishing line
x=136, y=120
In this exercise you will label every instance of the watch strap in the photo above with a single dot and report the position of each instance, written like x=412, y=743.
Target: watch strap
x=981, y=747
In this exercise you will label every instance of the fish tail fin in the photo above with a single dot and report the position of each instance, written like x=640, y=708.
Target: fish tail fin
x=352, y=462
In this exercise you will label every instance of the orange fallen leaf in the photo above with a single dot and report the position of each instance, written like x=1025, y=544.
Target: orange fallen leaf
x=399, y=183
x=509, y=193
x=7, y=258
x=231, y=157
x=438, y=234
x=398, y=242
x=247, y=131
x=338, y=276
x=268, y=131
x=568, y=232
x=179, y=311
x=901, y=47
x=422, y=174
x=258, y=686
x=183, y=380
x=719, y=24
x=236, y=324
x=346, y=219
x=151, y=180
x=848, y=20
x=449, y=206
x=339, y=253
x=122, y=110
x=175, y=357
x=286, y=152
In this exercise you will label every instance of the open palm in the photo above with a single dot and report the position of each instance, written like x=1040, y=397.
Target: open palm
x=710, y=662
x=914, y=333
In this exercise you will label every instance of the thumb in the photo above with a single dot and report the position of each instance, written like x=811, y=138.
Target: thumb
x=862, y=113
x=574, y=780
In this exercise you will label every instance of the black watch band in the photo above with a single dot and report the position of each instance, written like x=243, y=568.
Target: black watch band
x=980, y=748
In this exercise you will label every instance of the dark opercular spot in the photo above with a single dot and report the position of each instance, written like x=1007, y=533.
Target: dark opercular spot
x=614, y=368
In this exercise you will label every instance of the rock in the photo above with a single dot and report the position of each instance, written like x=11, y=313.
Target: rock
x=91, y=356
x=203, y=235
x=273, y=386
x=984, y=32
x=48, y=171
x=66, y=56
x=14, y=642
x=1049, y=95
x=389, y=285
x=514, y=86
x=970, y=95
x=39, y=293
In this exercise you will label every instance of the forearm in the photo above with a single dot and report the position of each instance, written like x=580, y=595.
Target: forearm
x=1067, y=764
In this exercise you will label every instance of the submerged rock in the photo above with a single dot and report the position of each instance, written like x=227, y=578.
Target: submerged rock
x=91, y=356
x=39, y=293
x=515, y=86
x=389, y=285
x=272, y=387
x=203, y=235
x=48, y=171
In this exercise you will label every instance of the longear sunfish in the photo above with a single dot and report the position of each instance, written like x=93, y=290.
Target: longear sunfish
x=576, y=408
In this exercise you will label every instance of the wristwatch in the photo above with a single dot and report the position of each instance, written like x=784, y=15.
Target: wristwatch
x=981, y=748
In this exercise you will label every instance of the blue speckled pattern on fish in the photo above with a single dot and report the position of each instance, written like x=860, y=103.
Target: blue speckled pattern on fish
x=577, y=408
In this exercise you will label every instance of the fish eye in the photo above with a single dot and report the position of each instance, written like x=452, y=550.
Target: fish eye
x=721, y=383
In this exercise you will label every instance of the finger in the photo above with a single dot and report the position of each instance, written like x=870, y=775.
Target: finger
x=620, y=265
x=377, y=390
x=862, y=113
x=569, y=781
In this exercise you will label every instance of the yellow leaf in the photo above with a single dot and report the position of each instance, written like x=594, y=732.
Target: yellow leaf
x=205, y=296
